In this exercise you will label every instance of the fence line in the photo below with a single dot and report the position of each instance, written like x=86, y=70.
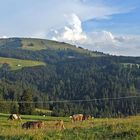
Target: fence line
x=74, y=101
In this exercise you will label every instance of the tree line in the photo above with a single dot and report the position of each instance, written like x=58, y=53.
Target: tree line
x=81, y=78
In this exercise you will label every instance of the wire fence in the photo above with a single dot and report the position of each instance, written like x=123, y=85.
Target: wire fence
x=73, y=101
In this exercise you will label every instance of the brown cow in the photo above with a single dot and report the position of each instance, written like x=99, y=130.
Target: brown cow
x=60, y=125
x=14, y=117
x=77, y=117
x=33, y=124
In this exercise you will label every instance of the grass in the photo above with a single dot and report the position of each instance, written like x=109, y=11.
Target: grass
x=16, y=64
x=41, y=44
x=96, y=129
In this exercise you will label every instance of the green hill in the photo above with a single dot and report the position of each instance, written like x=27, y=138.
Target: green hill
x=40, y=44
x=34, y=44
x=74, y=75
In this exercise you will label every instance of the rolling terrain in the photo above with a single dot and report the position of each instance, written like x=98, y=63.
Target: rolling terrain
x=40, y=71
x=34, y=44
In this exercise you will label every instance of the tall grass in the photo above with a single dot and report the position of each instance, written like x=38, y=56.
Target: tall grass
x=96, y=129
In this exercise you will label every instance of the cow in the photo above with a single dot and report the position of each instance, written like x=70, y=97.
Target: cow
x=14, y=117
x=77, y=117
x=60, y=125
x=33, y=124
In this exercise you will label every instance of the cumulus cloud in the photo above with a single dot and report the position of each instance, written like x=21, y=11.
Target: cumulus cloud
x=100, y=38
x=107, y=42
x=104, y=41
x=72, y=33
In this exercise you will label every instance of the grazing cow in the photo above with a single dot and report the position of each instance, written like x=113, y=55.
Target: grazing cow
x=33, y=124
x=77, y=117
x=14, y=117
x=60, y=125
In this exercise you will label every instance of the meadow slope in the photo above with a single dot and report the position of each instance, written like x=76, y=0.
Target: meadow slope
x=16, y=64
x=96, y=129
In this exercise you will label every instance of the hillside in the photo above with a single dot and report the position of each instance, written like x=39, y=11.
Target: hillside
x=34, y=44
x=57, y=71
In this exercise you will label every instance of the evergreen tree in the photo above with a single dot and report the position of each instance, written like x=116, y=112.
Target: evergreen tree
x=26, y=106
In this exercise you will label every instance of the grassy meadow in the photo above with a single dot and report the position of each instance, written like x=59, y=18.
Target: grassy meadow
x=41, y=44
x=16, y=64
x=94, y=129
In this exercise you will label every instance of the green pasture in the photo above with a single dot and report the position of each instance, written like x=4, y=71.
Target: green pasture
x=41, y=44
x=16, y=64
x=94, y=129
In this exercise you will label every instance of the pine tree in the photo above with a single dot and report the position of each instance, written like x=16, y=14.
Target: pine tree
x=26, y=107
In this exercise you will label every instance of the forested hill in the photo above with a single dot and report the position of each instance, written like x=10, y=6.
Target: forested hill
x=34, y=72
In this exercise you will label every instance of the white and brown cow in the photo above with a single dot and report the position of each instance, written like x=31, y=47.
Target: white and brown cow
x=14, y=117
x=76, y=117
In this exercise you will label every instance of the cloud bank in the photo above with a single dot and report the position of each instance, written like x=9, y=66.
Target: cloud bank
x=104, y=41
x=36, y=17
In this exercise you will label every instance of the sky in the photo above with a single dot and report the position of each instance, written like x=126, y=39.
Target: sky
x=109, y=26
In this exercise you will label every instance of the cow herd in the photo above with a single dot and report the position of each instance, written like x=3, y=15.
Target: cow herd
x=58, y=124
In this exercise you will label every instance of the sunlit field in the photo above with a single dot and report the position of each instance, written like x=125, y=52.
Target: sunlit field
x=93, y=129
x=16, y=64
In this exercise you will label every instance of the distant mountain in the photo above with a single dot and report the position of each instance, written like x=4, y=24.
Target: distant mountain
x=40, y=71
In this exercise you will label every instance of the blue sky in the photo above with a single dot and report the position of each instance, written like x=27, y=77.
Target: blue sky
x=110, y=26
x=126, y=23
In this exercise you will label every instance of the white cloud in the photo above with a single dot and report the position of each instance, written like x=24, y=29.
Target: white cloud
x=103, y=41
x=107, y=42
x=98, y=38
x=72, y=33
x=37, y=16
x=4, y=36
